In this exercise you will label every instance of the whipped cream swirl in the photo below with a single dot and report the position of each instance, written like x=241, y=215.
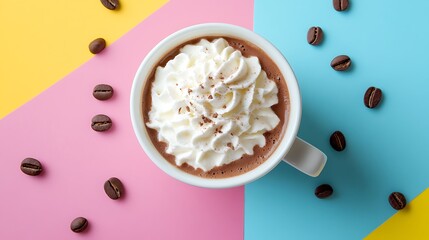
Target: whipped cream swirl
x=212, y=105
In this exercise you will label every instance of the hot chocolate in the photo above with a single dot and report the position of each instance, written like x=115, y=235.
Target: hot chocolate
x=222, y=126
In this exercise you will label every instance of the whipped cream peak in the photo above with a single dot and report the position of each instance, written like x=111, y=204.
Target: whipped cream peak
x=212, y=105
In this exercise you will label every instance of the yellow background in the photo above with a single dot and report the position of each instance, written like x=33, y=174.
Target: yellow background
x=42, y=41
x=412, y=222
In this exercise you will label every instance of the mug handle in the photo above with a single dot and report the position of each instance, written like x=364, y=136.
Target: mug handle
x=306, y=158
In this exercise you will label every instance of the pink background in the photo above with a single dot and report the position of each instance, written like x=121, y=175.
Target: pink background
x=55, y=128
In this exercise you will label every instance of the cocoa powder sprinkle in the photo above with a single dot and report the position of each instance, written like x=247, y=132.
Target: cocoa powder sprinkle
x=230, y=145
x=218, y=130
x=205, y=119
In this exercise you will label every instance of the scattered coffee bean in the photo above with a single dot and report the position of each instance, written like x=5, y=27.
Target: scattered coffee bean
x=341, y=63
x=31, y=166
x=323, y=191
x=397, y=200
x=114, y=188
x=102, y=92
x=372, y=97
x=340, y=5
x=97, y=45
x=101, y=123
x=110, y=4
x=314, y=35
x=338, y=141
x=79, y=224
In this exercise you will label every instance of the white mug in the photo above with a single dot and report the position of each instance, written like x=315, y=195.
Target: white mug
x=291, y=149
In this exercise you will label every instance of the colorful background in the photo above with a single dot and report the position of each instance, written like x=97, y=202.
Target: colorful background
x=47, y=75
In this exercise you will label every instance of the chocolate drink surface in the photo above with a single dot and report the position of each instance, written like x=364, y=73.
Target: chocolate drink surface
x=246, y=162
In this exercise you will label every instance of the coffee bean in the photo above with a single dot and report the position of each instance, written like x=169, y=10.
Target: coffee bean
x=102, y=92
x=31, y=166
x=372, y=97
x=314, y=35
x=114, y=188
x=323, y=191
x=79, y=224
x=101, y=123
x=110, y=4
x=341, y=63
x=338, y=141
x=340, y=5
x=397, y=200
x=97, y=45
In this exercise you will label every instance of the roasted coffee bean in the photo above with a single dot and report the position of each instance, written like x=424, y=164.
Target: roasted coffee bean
x=338, y=141
x=323, y=191
x=110, y=4
x=314, y=35
x=79, y=224
x=114, y=188
x=397, y=200
x=31, y=166
x=101, y=123
x=341, y=63
x=97, y=45
x=372, y=97
x=340, y=5
x=102, y=92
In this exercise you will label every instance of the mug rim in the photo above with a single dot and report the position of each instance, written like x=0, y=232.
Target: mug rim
x=214, y=29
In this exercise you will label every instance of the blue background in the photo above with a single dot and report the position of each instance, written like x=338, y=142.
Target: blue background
x=387, y=147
